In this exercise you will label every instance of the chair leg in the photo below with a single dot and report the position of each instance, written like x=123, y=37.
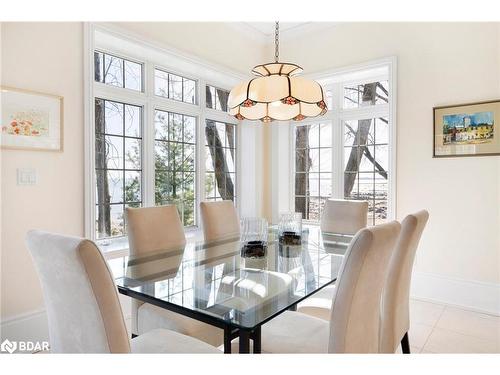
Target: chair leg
x=405, y=344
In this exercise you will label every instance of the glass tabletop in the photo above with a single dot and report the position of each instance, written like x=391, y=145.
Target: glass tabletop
x=214, y=279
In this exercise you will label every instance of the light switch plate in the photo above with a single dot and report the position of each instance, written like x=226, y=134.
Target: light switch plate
x=26, y=176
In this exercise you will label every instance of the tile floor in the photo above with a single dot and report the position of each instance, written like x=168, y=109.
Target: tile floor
x=438, y=328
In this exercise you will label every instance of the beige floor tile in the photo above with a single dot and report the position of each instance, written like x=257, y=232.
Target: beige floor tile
x=418, y=335
x=446, y=341
x=470, y=323
x=426, y=313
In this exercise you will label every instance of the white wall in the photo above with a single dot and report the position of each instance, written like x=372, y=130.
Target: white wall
x=45, y=57
x=438, y=64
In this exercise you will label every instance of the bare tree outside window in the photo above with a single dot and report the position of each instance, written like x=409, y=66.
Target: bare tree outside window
x=115, y=71
x=220, y=145
x=313, y=168
x=118, y=165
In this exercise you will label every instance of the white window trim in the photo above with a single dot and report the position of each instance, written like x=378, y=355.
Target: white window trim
x=334, y=79
x=210, y=74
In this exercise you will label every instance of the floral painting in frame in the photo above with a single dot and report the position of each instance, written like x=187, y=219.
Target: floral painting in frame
x=467, y=129
x=31, y=120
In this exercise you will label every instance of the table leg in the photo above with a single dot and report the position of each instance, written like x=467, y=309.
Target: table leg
x=227, y=340
x=257, y=341
x=244, y=341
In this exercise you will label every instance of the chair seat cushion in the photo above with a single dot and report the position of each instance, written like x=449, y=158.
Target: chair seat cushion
x=165, y=341
x=293, y=332
x=319, y=304
x=151, y=317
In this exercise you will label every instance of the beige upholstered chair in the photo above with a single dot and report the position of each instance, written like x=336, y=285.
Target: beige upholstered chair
x=355, y=315
x=344, y=216
x=396, y=297
x=220, y=220
x=82, y=304
x=341, y=217
x=160, y=228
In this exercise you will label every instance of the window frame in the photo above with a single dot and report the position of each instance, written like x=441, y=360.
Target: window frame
x=335, y=81
x=149, y=102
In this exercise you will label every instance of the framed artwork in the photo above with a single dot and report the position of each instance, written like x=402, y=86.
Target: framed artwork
x=31, y=120
x=467, y=129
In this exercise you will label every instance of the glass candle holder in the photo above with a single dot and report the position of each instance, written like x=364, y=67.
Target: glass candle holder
x=254, y=237
x=290, y=229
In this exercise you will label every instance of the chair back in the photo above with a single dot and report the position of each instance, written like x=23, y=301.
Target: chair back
x=220, y=220
x=344, y=216
x=152, y=229
x=396, y=298
x=80, y=295
x=355, y=315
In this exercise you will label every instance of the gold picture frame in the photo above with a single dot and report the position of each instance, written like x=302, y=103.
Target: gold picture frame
x=471, y=129
x=31, y=120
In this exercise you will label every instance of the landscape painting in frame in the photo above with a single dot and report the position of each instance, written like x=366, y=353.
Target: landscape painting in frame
x=467, y=129
x=31, y=120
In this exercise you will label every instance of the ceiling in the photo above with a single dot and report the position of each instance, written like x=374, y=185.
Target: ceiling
x=264, y=31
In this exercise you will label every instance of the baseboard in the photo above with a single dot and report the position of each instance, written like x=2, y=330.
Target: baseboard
x=467, y=294
x=31, y=326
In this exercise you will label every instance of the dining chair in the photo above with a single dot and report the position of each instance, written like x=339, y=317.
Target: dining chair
x=355, y=314
x=220, y=220
x=152, y=229
x=340, y=217
x=344, y=216
x=396, y=298
x=81, y=300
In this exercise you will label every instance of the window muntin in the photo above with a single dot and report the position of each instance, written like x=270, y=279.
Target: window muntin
x=216, y=98
x=175, y=163
x=115, y=71
x=172, y=86
x=366, y=165
x=361, y=95
x=118, y=164
x=220, y=161
x=313, y=168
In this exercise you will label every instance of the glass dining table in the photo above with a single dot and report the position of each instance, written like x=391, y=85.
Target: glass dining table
x=212, y=282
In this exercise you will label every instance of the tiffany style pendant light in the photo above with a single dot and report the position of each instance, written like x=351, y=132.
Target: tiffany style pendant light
x=277, y=93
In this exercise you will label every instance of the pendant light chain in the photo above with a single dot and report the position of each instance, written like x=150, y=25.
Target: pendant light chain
x=277, y=42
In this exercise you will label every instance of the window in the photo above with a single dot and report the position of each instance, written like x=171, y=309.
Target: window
x=118, y=164
x=115, y=71
x=346, y=155
x=366, y=94
x=216, y=98
x=175, y=87
x=313, y=168
x=153, y=144
x=175, y=166
x=220, y=148
x=366, y=164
